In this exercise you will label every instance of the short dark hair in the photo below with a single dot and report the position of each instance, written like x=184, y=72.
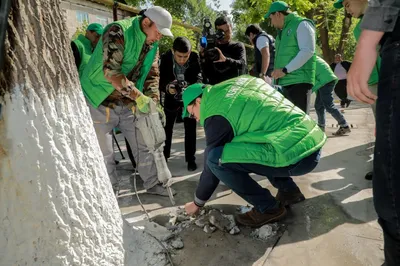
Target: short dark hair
x=192, y=102
x=253, y=28
x=222, y=20
x=182, y=45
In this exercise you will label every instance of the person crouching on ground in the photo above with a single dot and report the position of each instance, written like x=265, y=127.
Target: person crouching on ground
x=252, y=128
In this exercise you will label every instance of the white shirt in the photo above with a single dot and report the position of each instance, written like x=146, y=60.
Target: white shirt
x=262, y=42
x=340, y=72
x=306, y=43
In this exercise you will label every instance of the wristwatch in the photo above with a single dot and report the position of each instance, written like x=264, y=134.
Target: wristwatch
x=284, y=70
x=262, y=75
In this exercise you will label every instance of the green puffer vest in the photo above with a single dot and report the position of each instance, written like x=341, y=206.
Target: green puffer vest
x=269, y=130
x=95, y=86
x=323, y=74
x=85, y=49
x=374, y=78
x=287, y=48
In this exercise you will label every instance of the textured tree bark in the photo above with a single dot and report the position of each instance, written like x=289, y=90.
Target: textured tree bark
x=56, y=202
x=345, y=32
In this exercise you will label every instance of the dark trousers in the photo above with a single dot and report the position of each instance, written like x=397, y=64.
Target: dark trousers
x=190, y=134
x=386, y=181
x=341, y=91
x=299, y=95
x=236, y=177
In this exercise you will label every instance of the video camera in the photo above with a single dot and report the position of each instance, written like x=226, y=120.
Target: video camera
x=209, y=39
x=180, y=84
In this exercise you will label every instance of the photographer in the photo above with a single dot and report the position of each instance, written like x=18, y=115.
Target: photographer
x=231, y=61
x=179, y=68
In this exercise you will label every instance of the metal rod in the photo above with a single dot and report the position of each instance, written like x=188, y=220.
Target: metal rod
x=115, y=11
x=116, y=142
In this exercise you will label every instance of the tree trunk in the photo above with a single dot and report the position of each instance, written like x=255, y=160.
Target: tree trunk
x=327, y=52
x=345, y=32
x=56, y=202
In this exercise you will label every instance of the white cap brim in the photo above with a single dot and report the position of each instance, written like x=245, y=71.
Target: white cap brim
x=166, y=32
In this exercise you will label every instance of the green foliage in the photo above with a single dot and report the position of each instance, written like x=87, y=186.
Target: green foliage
x=178, y=31
x=80, y=30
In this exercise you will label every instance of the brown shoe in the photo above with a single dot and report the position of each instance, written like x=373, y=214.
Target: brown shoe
x=290, y=198
x=254, y=218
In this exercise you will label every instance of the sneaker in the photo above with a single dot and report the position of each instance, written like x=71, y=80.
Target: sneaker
x=192, y=166
x=254, y=218
x=160, y=190
x=369, y=175
x=342, y=131
x=290, y=198
x=348, y=102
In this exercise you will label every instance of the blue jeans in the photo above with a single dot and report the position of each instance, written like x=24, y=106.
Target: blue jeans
x=324, y=101
x=236, y=177
x=386, y=181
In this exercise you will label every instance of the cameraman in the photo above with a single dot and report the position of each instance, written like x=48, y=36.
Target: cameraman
x=179, y=68
x=232, y=56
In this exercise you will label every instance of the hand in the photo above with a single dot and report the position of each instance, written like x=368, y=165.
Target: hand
x=361, y=68
x=222, y=58
x=268, y=80
x=278, y=73
x=142, y=103
x=191, y=208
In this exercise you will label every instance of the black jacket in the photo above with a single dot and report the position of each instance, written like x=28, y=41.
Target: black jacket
x=345, y=64
x=234, y=66
x=167, y=75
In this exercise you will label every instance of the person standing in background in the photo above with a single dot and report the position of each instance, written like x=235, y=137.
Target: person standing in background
x=340, y=68
x=264, y=52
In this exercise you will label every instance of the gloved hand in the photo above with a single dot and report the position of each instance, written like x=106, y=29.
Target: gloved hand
x=160, y=111
x=142, y=103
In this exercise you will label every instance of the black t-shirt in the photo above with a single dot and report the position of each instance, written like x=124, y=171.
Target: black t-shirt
x=234, y=66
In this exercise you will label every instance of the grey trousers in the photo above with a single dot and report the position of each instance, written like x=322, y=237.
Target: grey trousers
x=105, y=120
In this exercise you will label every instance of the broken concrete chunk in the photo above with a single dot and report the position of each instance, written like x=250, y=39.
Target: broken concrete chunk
x=234, y=231
x=202, y=221
x=203, y=212
x=264, y=233
x=156, y=230
x=209, y=229
x=219, y=221
x=172, y=220
x=232, y=222
x=177, y=243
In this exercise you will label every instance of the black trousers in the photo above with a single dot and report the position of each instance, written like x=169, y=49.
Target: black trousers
x=341, y=91
x=190, y=134
x=298, y=95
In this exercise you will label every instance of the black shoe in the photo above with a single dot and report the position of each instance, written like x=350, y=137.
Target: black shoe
x=290, y=198
x=192, y=166
x=369, y=175
x=348, y=102
x=342, y=131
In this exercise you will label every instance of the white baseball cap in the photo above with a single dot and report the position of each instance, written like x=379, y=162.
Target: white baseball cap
x=162, y=18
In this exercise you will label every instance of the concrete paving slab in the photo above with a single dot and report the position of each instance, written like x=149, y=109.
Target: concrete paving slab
x=336, y=225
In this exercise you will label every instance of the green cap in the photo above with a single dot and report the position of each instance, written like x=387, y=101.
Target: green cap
x=338, y=4
x=96, y=27
x=276, y=7
x=189, y=95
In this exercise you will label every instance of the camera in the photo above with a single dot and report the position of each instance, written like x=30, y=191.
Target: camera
x=180, y=85
x=209, y=39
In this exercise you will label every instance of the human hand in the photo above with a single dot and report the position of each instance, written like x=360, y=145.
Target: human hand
x=222, y=58
x=278, y=73
x=362, y=66
x=191, y=208
x=143, y=103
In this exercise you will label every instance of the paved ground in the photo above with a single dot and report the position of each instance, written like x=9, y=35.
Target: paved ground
x=336, y=225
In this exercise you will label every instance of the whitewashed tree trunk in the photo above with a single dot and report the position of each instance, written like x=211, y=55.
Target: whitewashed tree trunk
x=56, y=202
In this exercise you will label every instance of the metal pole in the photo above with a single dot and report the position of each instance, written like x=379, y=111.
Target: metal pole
x=116, y=142
x=115, y=11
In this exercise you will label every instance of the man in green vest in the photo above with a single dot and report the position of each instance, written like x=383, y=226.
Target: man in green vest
x=325, y=81
x=251, y=128
x=82, y=46
x=120, y=80
x=357, y=8
x=294, y=68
